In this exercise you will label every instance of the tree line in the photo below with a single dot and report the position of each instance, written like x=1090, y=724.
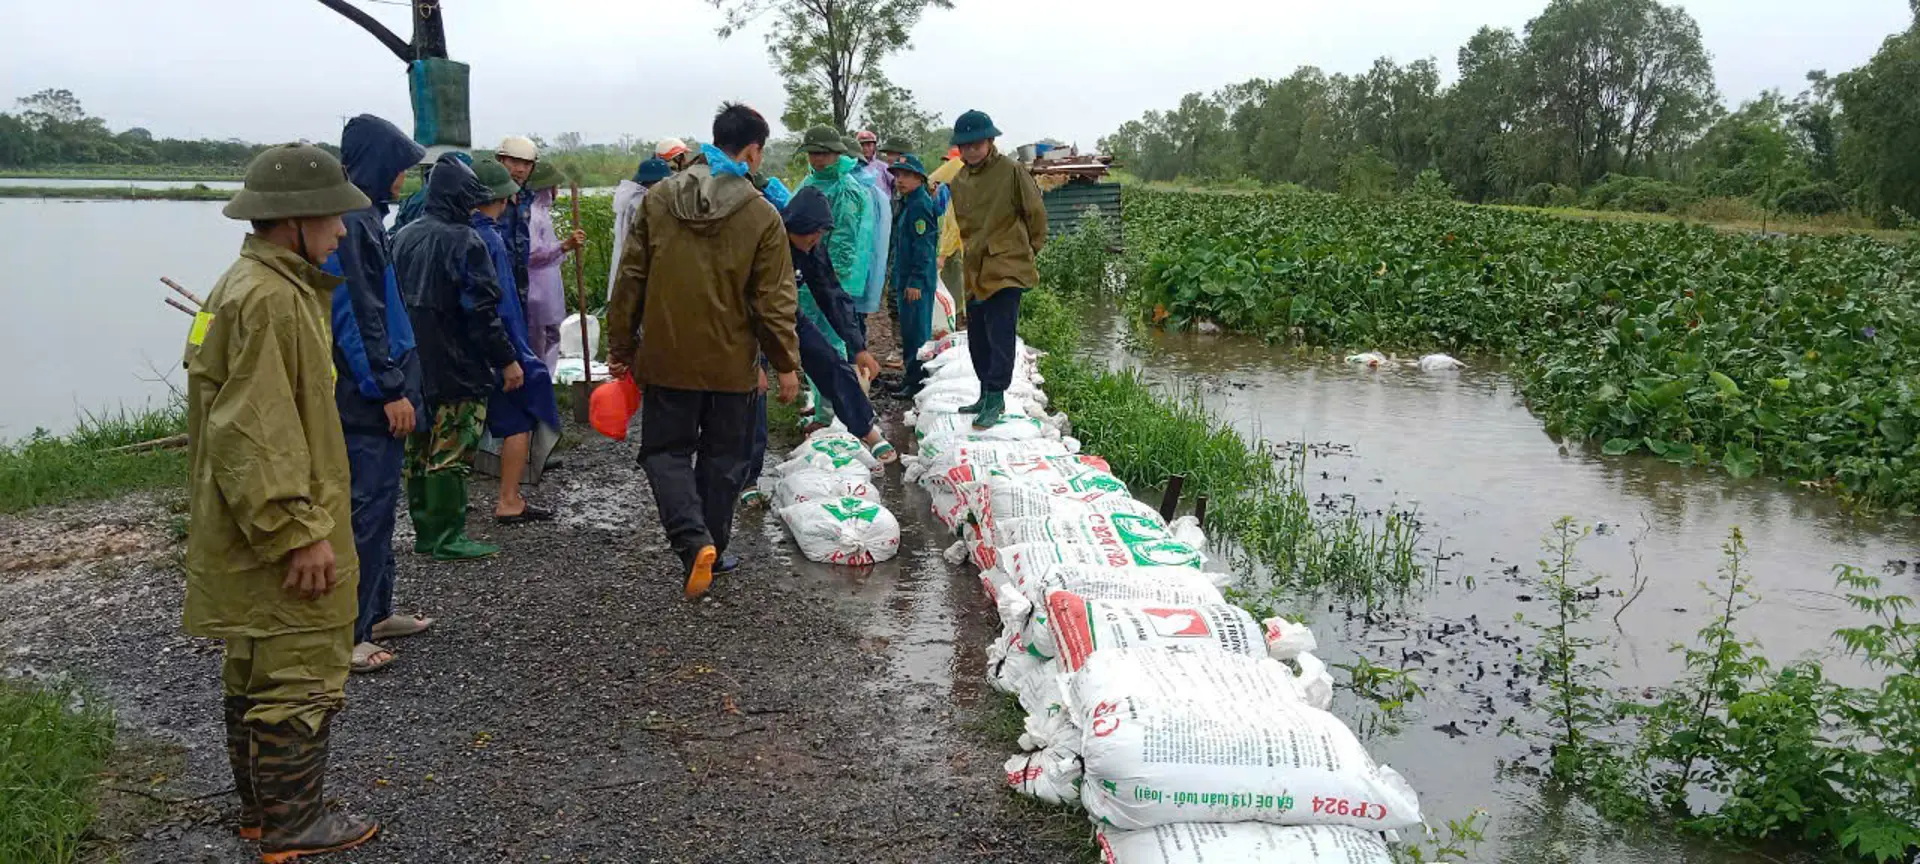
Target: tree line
x=52, y=128
x=1606, y=103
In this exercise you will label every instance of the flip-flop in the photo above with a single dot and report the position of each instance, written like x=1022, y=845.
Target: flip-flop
x=531, y=514
x=363, y=658
x=401, y=626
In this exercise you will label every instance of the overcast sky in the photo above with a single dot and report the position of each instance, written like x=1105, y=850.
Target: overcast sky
x=269, y=70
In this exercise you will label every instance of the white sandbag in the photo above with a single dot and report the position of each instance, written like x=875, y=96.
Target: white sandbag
x=1109, y=530
x=570, y=337
x=1035, y=681
x=1026, y=559
x=846, y=466
x=1241, y=843
x=1215, y=737
x=1314, y=681
x=837, y=446
x=1051, y=775
x=1288, y=640
x=850, y=531
x=1082, y=626
x=1012, y=427
x=814, y=484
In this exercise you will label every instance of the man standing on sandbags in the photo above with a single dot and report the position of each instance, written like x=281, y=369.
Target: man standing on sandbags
x=1003, y=224
x=706, y=285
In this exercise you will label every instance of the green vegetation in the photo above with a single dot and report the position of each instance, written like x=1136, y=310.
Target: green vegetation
x=1783, y=355
x=1601, y=104
x=53, y=133
x=1779, y=754
x=46, y=469
x=116, y=193
x=1148, y=435
x=53, y=744
x=177, y=173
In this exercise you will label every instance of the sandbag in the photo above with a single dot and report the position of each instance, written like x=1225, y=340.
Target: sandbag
x=837, y=447
x=1024, y=560
x=1239, y=843
x=1012, y=427
x=850, y=531
x=1051, y=775
x=1108, y=530
x=1215, y=737
x=814, y=484
x=945, y=311
x=1023, y=607
x=1082, y=626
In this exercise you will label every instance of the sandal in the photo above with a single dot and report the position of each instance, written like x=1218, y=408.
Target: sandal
x=368, y=657
x=401, y=626
x=885, y=453
x=530, y=514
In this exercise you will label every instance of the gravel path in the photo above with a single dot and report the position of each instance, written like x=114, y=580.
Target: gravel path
x=569, y=706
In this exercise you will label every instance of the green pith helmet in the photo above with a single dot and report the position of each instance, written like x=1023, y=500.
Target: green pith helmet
x=898, y=145
x=494, y=176
x=910, y=165
x=823, y=139
x=294, y=181
x=545, y=176
x=973, y=126
x=853, y=146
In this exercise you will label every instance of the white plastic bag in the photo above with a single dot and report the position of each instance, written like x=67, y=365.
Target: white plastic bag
x=570, y=336
x=1051, y=775
x=1242, y=843
x=814, y=484
x=1082, y=627
x=1287, y=640
x=1215, y=737
x=849, y=531
x=945, y=311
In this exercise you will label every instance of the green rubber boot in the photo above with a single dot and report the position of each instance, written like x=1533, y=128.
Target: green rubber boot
x=975, y=406
x=992, y=405
x=447, y=500
x=426, y=533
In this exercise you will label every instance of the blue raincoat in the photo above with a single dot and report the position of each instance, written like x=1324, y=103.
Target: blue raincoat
x=512, y=413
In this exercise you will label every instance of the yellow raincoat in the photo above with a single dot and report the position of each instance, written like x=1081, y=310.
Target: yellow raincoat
x=949, y=226
x=268, y=459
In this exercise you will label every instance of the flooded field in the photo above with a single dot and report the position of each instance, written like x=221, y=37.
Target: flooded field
x=1461, y=450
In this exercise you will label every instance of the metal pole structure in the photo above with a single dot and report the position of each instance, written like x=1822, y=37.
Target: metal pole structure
x=582, y=392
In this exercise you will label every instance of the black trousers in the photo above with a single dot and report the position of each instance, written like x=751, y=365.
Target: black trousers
x=694, y=446
x=991, y=327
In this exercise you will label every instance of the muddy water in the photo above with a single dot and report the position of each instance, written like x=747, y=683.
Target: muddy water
x=85, y=329
x=1487, y=482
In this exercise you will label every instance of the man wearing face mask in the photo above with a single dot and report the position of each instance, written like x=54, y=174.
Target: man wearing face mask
x=271, y=566
x=706, y=285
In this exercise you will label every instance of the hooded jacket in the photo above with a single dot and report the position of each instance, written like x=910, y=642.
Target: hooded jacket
x=373, y=348
x=267, y=461
x=546, y=290
x=851, y=243
x=452, y=290
x=806, y=213
x=706, y=284
x=880, y=236
x=534, y=397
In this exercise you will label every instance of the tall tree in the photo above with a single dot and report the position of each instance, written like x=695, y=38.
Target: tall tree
x=1880, y=124
x=829, y=51
x=1479, y=112
x=892, y=114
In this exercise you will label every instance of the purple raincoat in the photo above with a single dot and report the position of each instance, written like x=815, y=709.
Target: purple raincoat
x=546, y=291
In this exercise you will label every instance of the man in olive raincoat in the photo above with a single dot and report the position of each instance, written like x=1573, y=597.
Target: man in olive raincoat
x=271, y=567
x=1003, y=224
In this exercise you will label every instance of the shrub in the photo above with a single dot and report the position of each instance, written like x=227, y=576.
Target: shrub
x=1812, y=199
x=1431, y=186
x=1639, y=195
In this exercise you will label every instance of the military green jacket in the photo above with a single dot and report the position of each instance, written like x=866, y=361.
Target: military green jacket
x=1003, y=224
x=268, y=460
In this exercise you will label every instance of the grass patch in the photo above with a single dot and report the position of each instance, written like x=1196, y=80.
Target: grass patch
x=83, y=466
x=52, y=747
x=117, y=193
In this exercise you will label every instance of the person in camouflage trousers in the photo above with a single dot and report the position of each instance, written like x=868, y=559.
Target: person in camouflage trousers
x=271, y=565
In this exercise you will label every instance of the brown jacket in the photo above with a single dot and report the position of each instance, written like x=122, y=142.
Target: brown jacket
x=268, y=462
x=1003, y=224
x=705, y=285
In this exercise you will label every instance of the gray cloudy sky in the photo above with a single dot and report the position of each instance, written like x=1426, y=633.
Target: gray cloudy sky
x=280, y=69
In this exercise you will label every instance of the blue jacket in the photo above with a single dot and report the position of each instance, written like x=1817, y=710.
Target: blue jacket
x=452, y=289
x=535, y=395
x=516, y=228
x=373, y=356
x=916, y=246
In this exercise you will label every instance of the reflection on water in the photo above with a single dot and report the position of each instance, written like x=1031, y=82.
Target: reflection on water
x=86, y=330
x=96, y=183
x=1488, y=483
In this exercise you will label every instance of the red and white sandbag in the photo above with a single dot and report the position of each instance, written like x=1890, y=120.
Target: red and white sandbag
x=815, y=484
x=1082, y=626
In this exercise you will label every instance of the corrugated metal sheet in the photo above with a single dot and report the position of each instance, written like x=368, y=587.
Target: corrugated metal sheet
x=1067, y=204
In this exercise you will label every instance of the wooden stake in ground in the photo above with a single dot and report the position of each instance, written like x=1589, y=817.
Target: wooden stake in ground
x=197, y=302
x=580, y=280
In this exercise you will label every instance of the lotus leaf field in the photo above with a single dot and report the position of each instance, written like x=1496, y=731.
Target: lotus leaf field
x=1789, y=356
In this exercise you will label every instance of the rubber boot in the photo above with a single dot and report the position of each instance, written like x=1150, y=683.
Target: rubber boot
x=240, y=759
x=426, y=534
x=700, y=572
x=991, y=407
x=290, y=772
x=447, y=499
x=975, y=406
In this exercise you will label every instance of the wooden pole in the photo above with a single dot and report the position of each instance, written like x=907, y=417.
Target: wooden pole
x=1170, y=503
x=182, y=291
x=178, y=305
x=583, y=390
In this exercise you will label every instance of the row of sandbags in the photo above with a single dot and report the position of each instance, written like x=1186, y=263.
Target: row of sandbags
x=1188, y=730
x=826, y=495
